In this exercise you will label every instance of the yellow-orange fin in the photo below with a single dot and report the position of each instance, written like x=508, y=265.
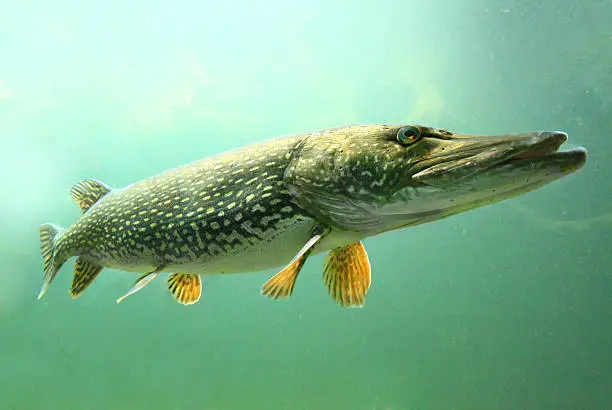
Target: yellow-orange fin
x=84, y=274
x=141, y=282
x=185, y=287
x=280, y=286
x=347, y=274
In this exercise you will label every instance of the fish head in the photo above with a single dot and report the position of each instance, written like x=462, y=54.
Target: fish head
x=376, y=178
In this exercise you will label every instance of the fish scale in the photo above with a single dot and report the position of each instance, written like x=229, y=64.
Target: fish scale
x=193, y=214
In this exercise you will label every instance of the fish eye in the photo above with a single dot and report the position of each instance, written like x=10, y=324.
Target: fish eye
x=408, y=135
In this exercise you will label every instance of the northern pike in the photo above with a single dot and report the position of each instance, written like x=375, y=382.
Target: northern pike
x=278, y=202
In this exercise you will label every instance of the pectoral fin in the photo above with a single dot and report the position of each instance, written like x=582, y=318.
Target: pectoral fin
x=280, y=286
x=141, y=282
x=84, y=274
x=186, y=288
x=347, y=274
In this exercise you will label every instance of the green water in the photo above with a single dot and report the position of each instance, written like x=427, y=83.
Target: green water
x=505, y=307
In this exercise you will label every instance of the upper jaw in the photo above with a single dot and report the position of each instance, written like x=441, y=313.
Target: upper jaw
x=462, y=156
x=543, y=143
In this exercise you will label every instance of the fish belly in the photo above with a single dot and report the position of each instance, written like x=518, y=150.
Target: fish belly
x=276, y=247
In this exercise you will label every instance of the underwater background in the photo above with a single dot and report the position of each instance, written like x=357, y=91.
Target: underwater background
x=505, y=307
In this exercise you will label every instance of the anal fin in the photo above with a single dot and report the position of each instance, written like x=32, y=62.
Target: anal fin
x=84, y=274
x=280, y=286
x=141, y=282
x=88, y=192
x=186, y=288
x=347, y=274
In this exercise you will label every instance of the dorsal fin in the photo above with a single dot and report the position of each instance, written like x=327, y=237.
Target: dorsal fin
x=88, y=192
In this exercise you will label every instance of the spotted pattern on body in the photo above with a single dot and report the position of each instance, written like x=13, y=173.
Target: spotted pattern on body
x=193, y=213
x=281, y=201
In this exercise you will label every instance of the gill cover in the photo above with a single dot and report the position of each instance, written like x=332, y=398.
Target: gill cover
x=338, y=174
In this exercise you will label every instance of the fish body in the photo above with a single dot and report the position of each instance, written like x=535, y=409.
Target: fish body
x=218, y=215
x=277, y=202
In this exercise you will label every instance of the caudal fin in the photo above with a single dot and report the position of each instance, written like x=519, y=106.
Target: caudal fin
x=48, y=249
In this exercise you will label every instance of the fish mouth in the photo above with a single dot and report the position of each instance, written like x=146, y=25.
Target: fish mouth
x=462, y=157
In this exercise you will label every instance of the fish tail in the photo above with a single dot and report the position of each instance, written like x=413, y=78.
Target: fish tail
x=49, y=235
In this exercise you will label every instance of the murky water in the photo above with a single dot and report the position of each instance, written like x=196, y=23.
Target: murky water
x=505, y=307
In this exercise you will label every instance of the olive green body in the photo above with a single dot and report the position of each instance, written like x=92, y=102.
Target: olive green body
x=224, y=214
x=257, y=207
